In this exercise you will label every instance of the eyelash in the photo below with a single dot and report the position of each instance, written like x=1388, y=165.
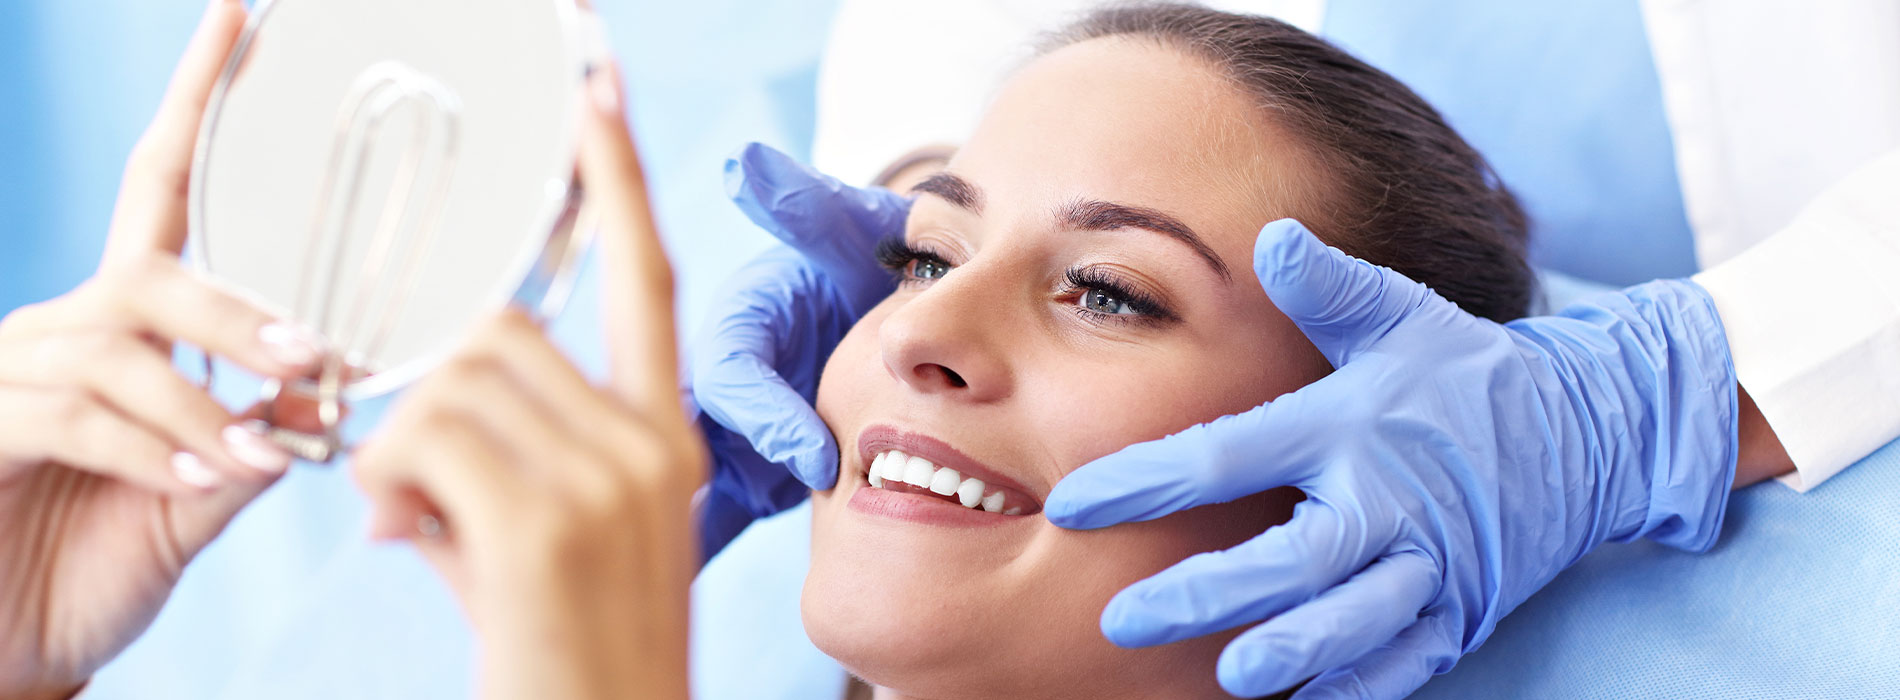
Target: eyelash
x=1081, y=280
x=900, y=257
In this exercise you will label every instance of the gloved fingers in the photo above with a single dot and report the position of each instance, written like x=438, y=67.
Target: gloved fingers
x=1343, y=304
x=1430, y=646
x=1342, y=624
x=1214, y=462
x=744, y=394
x=835, y=225
x=1287, y=565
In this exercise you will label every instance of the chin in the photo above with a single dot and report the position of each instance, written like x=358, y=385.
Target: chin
x=913, y=609
x=947, y=613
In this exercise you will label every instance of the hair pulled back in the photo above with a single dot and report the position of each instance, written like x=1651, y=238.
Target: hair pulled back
x=1405, y=190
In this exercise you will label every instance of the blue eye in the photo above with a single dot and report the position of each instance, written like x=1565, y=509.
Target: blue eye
x=1104, y=302
x=910, y=264
x=928, y=269
x=1100, y=295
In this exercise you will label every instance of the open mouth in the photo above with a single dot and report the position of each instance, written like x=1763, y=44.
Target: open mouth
x=895, y=470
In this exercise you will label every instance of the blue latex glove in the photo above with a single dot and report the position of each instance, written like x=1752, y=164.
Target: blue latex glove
x=755, y=373
x=1452, y=467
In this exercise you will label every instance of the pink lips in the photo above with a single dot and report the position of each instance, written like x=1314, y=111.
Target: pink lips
x=920, y=506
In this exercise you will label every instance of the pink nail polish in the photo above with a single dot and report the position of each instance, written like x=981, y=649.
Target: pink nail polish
x=604, y=88
x=255, y=450
x=290, y=344
x=191, y=470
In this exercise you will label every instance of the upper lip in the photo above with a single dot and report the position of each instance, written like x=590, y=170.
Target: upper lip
x=883, y=438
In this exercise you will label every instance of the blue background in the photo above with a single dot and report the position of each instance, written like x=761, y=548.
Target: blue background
x=79, y=81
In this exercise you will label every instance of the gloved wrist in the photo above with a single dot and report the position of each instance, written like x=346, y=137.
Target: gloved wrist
x=1669, y=460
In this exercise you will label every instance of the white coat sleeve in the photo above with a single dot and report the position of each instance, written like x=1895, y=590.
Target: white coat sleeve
x=1796, y=210
x=1813, y=322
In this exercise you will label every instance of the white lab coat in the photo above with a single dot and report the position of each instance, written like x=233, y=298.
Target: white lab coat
x=1786, y=124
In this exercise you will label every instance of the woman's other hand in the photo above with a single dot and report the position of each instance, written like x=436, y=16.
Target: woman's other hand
x=558, y=511
x=114, y=469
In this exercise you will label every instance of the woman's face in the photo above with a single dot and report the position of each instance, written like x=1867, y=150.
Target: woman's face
x=1079, y=279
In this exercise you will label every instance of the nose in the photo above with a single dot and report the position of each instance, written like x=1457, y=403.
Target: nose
x=949, y=341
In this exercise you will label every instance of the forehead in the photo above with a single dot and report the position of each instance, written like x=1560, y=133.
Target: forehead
x=1131, y=121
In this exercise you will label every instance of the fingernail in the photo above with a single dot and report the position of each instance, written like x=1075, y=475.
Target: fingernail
x=604, y=88
x=255, y=450
x=216, y=5
x=192, y=470
x=290, y=344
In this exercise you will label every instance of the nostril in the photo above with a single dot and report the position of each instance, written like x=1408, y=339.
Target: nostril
x=951, y=379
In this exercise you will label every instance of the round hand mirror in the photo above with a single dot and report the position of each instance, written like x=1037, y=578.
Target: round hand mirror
x=386, y=172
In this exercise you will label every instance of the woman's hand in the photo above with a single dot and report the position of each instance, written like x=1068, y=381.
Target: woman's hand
x=114, y=469
x=558, y=511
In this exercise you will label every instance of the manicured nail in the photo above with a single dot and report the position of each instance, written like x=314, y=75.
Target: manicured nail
x=192, y=470
x=290, y=344
x=604, y=87
x=255, y=450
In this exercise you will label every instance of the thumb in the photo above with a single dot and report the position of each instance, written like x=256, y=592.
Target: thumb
x=744, y=394
x=150, y=215
x=636, y=279
x=1212, y=462
x=197, y=520
x=834, y=225
x=1343, y=304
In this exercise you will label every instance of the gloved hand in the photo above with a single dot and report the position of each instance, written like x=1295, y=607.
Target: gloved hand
x=1452, y=467
x=755, y=373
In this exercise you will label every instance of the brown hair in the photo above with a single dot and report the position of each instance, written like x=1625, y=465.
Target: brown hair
x=1406, y=191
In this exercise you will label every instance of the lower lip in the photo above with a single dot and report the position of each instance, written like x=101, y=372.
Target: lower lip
x=923, y=509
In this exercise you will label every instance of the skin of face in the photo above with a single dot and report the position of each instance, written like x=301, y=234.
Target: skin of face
x=1040, y=388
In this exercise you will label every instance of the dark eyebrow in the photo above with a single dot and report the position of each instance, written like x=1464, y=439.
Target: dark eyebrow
x=952, y=189
x=1085, y=215
x=1096, y=215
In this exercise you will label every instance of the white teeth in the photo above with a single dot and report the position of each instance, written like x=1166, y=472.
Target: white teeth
x=945, y=481
x=893, y=469
x=917, y=472
x=896, y=467
x=883, y=466
x=970, y=492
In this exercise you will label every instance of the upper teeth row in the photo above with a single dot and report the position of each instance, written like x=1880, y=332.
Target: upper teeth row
x=943, y=481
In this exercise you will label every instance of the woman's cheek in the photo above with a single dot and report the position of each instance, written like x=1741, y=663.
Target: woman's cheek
x=851, y=375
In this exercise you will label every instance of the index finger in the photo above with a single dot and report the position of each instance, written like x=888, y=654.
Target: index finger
x=637, y=281
x=151, y=210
